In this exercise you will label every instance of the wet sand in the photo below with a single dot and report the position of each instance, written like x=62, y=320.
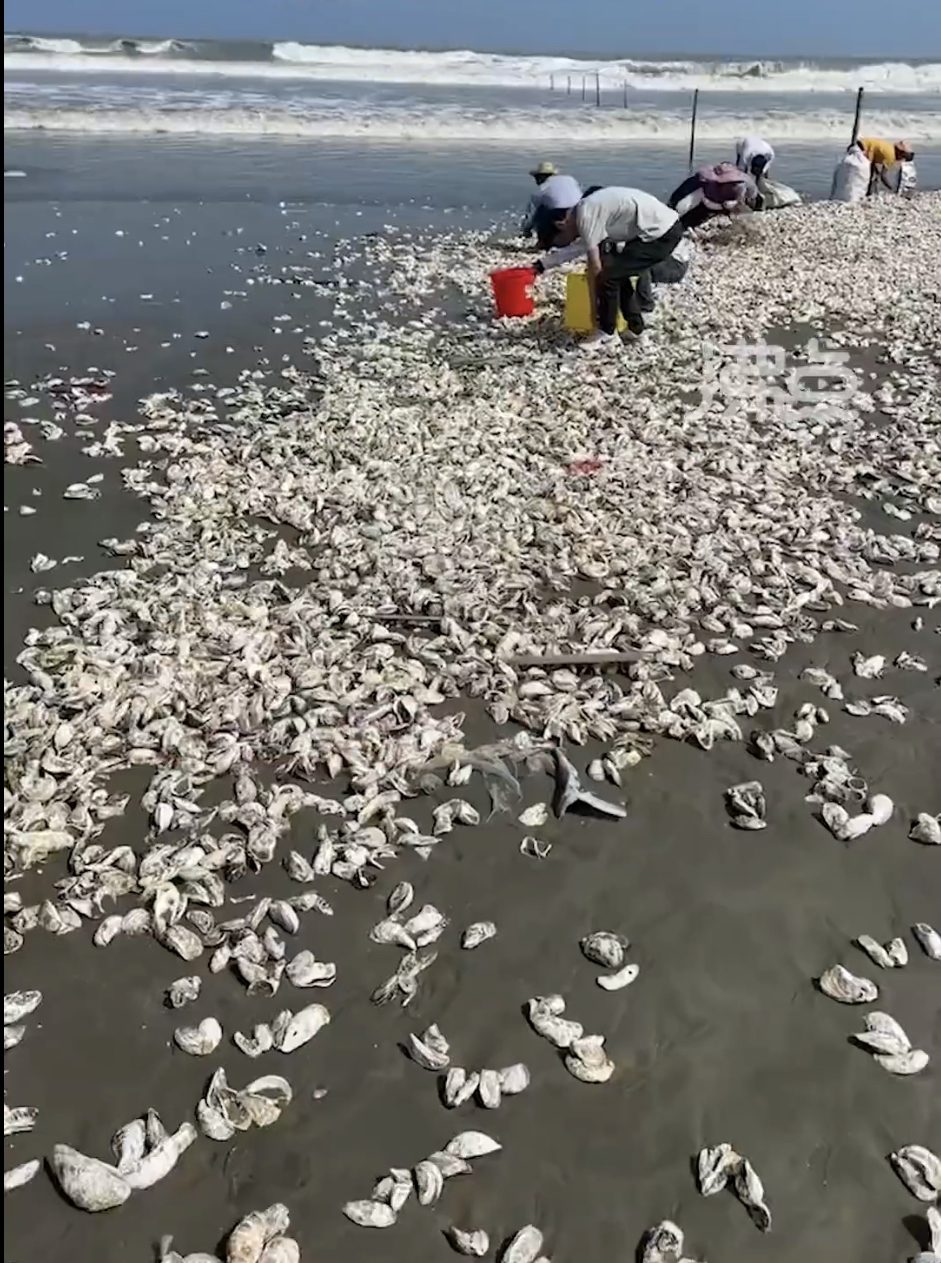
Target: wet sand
x=722, y=1037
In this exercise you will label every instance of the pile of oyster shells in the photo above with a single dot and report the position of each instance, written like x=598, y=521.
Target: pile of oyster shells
x=335, y=551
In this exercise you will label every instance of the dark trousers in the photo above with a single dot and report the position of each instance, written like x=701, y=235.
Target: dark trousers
x=615, y=286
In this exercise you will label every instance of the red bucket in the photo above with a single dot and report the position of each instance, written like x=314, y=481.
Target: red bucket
x=513, y=291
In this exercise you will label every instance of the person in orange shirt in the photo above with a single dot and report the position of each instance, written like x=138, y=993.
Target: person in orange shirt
x=883, y=154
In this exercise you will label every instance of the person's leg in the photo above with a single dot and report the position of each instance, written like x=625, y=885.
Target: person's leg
x=640, y=256
x=646, y=298
x=758, y=165
x=607, y=295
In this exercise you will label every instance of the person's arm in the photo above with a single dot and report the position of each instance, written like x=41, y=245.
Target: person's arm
x=594, y=271
x=560, y=256
x=529, y=221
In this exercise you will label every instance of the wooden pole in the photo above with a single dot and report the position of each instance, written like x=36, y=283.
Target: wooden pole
x=568, y=85
x=552, y=83
x=583, y=87
x=597, y=89
x=692, y=130
x=859, y=110
x=625, y=94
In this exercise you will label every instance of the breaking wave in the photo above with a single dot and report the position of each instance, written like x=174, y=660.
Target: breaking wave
x=447, y=125
x=459, y=68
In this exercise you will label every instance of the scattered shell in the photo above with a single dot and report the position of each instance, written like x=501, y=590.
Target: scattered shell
x=87, y=1183
x=291, y=1031
x=524, y=1247
x=471, y=1144
x=429, y=1183
x=17, y=1176
x=569, y=793
x=926, y=829
x=473, y=1242
x=459, y=1086
x=929, y=940
x=514, y=1079
x=663, y=1244
x=623, y=978
x=868, y=668
x=839, y=984
x=477, y=933
x=534, y=817
x=919, y=1170
x=747, y=806
x=201, y=1040
x=431, y=1051
x=718, y=1166
x=20, y=1004
x=587, y=1061
x=183, y=991
x=604, y=948
x=369, y=1214
x=545, y=1016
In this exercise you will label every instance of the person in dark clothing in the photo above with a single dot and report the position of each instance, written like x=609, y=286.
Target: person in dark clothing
x=719, y=190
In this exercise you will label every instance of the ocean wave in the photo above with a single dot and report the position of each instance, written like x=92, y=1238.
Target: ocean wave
x=447, y=126
x=467, y=68
x=29, y=46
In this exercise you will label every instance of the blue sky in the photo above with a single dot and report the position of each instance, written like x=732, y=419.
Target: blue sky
x=829, y=28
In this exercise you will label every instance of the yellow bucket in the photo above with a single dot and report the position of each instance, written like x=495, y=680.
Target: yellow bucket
x=578, y=317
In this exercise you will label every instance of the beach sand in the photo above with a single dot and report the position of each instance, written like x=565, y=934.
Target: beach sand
x=723, y=1037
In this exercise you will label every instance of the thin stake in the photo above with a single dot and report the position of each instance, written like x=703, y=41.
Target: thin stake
x=583, y=87
x=597, y=89
x=692, y=130
x=859, y=110
x=552, y=83
x=625, y=94
x=568, y=82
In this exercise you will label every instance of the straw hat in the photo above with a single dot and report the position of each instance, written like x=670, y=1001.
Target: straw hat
x=544, y=168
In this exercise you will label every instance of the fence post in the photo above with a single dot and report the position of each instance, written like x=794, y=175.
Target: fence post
x=859, y=110
x=597, y=88
x=583, y=87
x=692, y=129
x=568, y=85
x=625, y=94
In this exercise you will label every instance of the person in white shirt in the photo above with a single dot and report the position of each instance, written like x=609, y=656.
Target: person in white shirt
x=754, y=155
x=554, y=192
x=625, y=232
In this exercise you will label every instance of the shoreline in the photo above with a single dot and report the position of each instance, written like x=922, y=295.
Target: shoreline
x=307, y=498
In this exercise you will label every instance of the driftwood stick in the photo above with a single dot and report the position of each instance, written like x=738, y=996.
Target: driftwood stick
x=600, y=657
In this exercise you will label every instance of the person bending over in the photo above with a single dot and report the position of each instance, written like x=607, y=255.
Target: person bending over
x=554, y=192
x=754, y=155
x=624, y=232
x=720, y=190
x=884, y=154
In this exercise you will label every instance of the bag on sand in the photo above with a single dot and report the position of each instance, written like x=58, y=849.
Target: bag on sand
x=908, y=179
x=851, y=177
x=775, y=196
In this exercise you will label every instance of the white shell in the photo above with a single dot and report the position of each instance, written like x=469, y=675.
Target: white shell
x=524, y=1247
x=369, y=1214
x=535, y=816
x=880, y=807
x=477, y=933
x=929, y=940
x=201, y=1040
x=87, y=1183
x=301, y=1028
x=903, y=1063
x=623, y=978
x=839, y=984
x=474, y=1243
x=926, y=829
x=919, y=1170
x=471, y=1144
